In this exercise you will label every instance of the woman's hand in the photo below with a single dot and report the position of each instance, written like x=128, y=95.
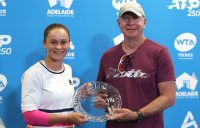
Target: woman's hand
x=100, y=100
x=86, y=90
x=76, y=119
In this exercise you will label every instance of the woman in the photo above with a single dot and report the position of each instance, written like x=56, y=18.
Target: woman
x=47, y=88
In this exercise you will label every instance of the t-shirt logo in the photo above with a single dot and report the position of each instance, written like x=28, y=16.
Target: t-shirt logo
x=70, y=82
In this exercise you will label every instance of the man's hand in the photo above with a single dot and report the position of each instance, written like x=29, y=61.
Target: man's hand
x=121, y=114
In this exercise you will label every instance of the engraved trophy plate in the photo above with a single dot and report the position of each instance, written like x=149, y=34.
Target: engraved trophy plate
x=84, y=100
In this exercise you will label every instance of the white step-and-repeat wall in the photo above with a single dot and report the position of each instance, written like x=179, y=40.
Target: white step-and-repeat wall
x=94, y=29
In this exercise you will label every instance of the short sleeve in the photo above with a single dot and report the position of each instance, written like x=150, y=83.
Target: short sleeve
x=31, y=91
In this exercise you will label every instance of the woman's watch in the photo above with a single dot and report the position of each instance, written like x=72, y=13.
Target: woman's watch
x=140, y=116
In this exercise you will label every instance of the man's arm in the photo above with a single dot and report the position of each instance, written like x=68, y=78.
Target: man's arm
x=166, y=99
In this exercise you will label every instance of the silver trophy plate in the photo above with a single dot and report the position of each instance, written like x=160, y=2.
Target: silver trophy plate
x=85, y=98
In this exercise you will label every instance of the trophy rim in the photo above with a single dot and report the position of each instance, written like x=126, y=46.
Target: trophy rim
x=78, y=107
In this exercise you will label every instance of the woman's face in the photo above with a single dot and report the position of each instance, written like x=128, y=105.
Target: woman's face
x=56, y=44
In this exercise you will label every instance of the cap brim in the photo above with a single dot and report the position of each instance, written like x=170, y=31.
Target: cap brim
x=132, y=11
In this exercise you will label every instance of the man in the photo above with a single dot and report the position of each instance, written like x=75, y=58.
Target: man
x=141, y=70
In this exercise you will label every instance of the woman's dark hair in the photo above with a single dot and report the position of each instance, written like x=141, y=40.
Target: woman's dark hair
x=53, y=26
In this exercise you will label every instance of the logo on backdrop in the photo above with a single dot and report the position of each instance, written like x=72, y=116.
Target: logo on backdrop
x=70, y=52
x=3, y=83
x=191, y=6
x=5, y=40
x=189, y=121
x=2, y=11
x=117, y=3
x=186, y=86
x=76, y=81
x=184, y=43
x=118, y=39
x=60, y=8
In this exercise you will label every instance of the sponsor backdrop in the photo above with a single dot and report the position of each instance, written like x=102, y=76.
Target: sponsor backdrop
x=94, y=29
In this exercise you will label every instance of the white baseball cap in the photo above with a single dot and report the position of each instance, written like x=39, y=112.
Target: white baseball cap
x=133, y=7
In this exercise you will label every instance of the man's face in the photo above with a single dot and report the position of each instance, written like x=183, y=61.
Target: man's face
x=131, y=25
